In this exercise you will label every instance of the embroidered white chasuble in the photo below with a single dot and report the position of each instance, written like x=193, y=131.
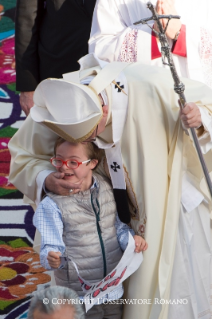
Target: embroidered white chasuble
x=153, y=146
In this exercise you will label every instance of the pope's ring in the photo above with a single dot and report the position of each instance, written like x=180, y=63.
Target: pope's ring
x=71, y=190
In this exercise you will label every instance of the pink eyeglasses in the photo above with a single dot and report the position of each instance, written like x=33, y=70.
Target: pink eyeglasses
x=73, y=164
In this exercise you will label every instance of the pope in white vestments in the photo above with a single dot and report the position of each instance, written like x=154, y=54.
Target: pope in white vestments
x=142, y=125
x=115, y=38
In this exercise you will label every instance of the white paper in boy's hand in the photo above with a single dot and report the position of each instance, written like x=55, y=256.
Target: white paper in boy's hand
x=128, y=264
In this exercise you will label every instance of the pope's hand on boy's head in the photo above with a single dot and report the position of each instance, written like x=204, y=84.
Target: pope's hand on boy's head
x=54, y=259
x=55, y=183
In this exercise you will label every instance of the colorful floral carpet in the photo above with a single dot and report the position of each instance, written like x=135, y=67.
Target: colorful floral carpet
x=20, y=271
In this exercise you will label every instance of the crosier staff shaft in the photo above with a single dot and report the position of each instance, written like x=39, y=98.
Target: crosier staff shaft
x=179, y=87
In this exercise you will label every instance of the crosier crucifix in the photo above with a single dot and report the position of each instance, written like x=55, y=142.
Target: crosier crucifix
x=179, y=87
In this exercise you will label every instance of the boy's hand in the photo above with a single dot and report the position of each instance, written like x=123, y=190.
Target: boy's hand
x=140, y=244
x=54, y=259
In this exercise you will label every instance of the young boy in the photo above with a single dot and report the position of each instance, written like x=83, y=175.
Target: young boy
x=83, y=226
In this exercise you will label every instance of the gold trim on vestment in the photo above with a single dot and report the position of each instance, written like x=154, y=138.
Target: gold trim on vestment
x=131, y=195
x=67, y=137
x=200, y=131
x=116, y=84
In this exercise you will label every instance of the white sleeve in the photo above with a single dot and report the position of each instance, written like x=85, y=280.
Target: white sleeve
x=112, y=21
x=31, y=149
x=193, y=36
x=40, y=180
x=205, y=140
x=199, y=52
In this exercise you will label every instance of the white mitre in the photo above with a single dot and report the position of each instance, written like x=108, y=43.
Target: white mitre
x=71, y=110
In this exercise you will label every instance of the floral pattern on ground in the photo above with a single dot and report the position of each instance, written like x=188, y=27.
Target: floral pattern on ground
x=20, y=273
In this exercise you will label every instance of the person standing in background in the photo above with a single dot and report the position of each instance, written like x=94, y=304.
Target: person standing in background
x=114, y=37
x=50, y=37
x=46, y=304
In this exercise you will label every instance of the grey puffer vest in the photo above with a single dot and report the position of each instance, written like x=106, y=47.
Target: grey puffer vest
x=89, y=234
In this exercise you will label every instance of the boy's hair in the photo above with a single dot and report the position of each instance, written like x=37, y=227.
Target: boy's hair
x=93, y=152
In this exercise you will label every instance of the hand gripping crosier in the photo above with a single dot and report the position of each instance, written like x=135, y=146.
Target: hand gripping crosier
x=179, y=87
